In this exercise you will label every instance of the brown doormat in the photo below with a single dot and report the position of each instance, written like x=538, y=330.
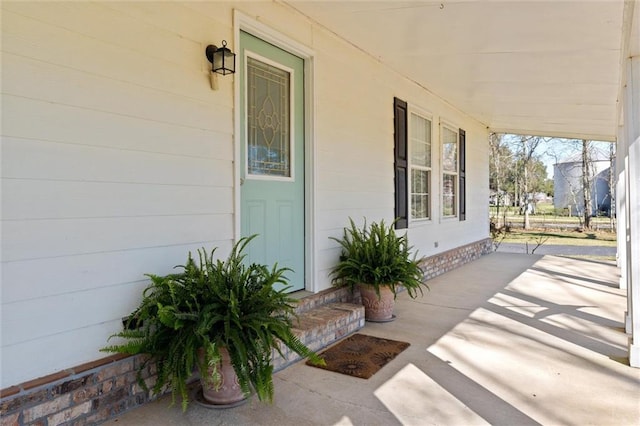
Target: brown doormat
x=360, y=355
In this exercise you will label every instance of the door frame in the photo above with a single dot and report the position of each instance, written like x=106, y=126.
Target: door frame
x=243, y=22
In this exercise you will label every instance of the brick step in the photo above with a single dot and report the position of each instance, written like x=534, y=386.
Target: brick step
x=321, y=326
x=308, y=301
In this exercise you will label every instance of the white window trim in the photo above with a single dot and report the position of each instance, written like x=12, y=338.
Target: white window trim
x=456, y=174
x=427, y=116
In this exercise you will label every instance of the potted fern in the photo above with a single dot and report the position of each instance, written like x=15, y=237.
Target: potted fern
x=377, y=261
x=221, y=317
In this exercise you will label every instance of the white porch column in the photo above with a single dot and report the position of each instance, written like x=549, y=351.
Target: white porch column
x=622, y=231
x=632, y=124
x=621, y=204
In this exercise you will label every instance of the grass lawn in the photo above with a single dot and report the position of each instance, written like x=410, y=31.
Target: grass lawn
x=545, y=212
x=551, y=237
x=603, y=259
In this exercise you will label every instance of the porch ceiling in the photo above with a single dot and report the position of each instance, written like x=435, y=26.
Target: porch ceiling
x=531, y=67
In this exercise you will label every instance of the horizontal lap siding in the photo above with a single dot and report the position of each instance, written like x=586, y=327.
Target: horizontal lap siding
x=355, y=152
x=33, y=79
x=56, y=352
x=62, y=275
x=29, y=159
x=117, y=159
x=37, y=199
x=26, y=240
x=107, y=25
x=34, y=319
x=354, y=136
x=59, y=123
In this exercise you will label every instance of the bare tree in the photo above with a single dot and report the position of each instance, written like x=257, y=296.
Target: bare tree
x=612, y=167
x=573, y=191
x=586, y=184
x=527, y=154
x=501, y=162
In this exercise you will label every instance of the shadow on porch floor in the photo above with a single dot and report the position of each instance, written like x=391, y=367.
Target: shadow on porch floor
x=508, y=339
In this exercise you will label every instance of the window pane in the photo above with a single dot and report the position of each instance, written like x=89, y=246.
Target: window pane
x=420, y=141
x=268, y=139
x=420, y=205
x=449, y=195
x=449, y=150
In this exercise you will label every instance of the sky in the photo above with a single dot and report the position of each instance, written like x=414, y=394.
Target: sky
x=557, y=150
x=554, y=150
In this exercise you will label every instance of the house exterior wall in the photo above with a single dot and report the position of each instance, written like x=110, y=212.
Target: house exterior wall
x=118, y=159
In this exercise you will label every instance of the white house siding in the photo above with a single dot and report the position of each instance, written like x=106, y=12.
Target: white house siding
x=118, y=158
x=354, y=152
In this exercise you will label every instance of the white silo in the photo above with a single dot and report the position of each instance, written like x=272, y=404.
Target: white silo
x=567, y=184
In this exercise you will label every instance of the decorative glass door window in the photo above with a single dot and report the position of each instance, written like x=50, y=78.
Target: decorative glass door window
x=268, y=120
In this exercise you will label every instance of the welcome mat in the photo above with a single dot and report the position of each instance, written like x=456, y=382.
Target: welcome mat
x=360, y=355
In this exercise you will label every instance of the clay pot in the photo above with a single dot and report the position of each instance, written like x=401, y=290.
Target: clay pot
x=377, y=309
x=228, y=392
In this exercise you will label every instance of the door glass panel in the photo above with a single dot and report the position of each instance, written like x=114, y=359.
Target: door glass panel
x=268, y=120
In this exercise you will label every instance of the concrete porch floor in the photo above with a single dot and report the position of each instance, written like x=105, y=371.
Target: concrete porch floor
x=509, y=339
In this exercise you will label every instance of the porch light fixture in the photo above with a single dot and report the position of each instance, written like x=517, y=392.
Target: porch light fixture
x=223, y=60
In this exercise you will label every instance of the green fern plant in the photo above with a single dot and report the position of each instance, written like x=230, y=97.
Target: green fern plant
x=375, y=255
x=213, y=304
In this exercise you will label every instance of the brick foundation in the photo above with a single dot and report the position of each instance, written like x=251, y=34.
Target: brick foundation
x=87, y=394
x=95, y=392
x=448, y=260
x=100, y=390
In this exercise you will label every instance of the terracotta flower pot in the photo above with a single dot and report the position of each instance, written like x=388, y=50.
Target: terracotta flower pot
x=228, y=392
x=377, y=309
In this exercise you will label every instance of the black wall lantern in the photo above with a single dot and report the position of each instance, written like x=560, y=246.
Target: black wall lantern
x=223, y=60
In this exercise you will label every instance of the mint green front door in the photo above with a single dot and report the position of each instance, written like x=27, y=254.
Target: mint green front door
x=272, y=155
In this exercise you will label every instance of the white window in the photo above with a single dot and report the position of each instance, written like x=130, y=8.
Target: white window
x=420, y=163
x=449, y=138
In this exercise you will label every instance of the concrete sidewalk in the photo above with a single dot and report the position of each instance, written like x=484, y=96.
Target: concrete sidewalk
x=509, y=339
x=557, y=249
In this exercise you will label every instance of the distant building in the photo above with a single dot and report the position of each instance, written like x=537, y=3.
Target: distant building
x=567, y=182
x=503, y=197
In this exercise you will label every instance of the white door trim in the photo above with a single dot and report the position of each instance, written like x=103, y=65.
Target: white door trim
x=243, y=22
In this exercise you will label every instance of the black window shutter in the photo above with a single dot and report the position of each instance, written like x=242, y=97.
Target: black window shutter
x=400, y=162
x=461, y=174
